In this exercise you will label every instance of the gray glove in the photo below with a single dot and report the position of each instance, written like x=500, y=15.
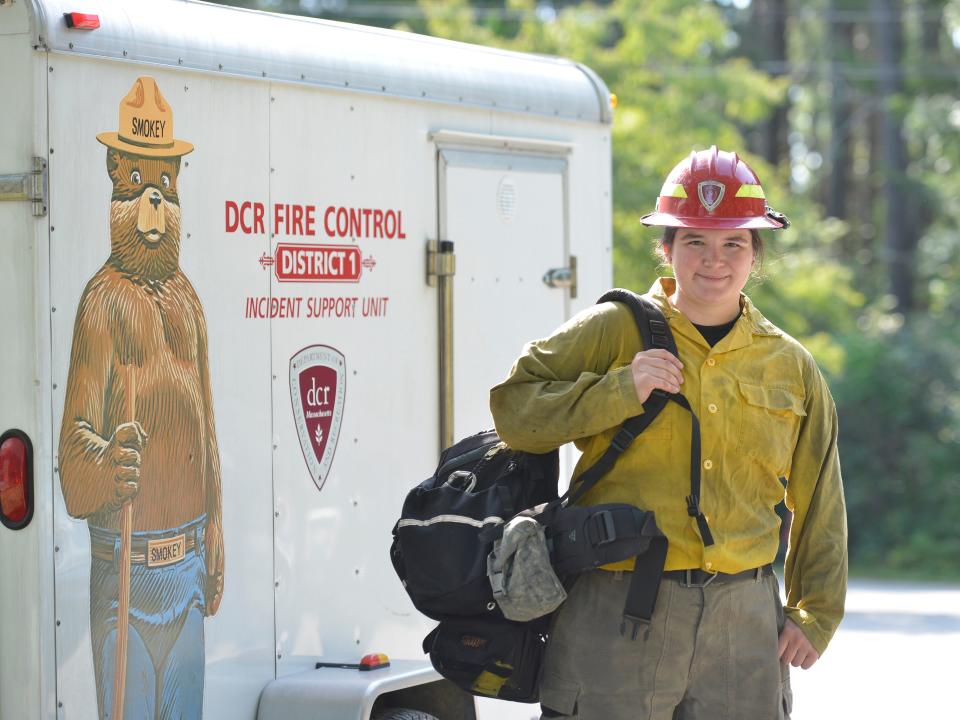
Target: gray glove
x=521, y=576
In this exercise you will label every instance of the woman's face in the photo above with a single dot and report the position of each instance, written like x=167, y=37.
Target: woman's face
x=711, y=266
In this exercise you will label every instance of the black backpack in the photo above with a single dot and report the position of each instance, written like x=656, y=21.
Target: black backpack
x=449, y=523
x=437, y=548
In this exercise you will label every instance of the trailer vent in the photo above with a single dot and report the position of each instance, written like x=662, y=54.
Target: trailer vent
x=507, y=199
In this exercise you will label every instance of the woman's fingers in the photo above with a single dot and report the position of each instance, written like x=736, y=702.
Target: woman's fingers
x=648, y=379
x=649, y=365
x=656, y=369
x=664, y=379
x=662, y=354
x=659, y=356
x=659, y=367
x=795, y=648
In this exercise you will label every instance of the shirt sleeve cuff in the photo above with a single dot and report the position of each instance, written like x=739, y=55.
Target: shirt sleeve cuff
x=628, y=392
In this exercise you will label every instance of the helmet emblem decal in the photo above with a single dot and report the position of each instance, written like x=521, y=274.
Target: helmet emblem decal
x=710, y=193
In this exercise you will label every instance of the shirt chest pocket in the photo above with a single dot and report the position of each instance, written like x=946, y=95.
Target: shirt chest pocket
x=769, y=424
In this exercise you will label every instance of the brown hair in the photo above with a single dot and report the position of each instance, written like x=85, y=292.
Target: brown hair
x=669, y=233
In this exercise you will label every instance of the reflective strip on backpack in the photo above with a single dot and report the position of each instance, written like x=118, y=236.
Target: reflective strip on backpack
x=462, y=519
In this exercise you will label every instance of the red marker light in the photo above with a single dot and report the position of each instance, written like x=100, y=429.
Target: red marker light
x=374, y=661
x=16, y=479
x=82, y=21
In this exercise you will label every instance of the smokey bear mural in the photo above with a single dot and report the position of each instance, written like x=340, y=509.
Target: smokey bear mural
x=138, y=448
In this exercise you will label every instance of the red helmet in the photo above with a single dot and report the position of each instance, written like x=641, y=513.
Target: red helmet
x=713, y=189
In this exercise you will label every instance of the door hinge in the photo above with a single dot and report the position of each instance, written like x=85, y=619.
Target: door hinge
x=441, y=261
x=29, y=186
x=563, y=277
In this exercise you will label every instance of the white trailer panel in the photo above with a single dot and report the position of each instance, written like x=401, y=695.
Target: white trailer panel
x=325, y=157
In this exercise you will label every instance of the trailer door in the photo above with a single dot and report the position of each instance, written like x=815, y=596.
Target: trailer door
x=506, y=215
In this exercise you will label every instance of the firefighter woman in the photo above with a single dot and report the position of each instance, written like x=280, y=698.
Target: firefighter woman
x=720, y=643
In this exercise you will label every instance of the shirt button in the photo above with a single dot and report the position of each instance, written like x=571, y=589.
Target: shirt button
x=709, y=566
x=707, y=464
x=712, y=408
x=711, y=362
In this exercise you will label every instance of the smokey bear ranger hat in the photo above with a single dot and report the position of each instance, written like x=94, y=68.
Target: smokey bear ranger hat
x=146, y=124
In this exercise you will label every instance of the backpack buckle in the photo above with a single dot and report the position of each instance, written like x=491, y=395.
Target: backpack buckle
x=623, y=439
x=603, y=527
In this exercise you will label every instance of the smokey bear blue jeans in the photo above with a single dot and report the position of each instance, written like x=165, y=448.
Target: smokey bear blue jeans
x=165, y=646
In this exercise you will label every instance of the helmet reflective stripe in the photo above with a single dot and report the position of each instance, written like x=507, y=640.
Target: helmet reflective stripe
x=672, y=190
x=750, y=191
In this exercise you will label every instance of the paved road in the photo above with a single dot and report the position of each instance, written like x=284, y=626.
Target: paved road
x=894, y=657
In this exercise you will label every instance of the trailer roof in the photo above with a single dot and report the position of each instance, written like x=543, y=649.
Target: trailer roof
x=239, y=42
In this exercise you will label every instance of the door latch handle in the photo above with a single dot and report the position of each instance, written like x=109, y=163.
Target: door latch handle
x=563, y=277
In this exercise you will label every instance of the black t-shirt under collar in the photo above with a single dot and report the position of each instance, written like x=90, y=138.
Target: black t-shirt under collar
x=715, y=333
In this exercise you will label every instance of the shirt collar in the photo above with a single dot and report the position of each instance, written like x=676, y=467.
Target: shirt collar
x=664, y=287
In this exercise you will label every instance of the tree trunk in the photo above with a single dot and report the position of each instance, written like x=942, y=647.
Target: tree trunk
x=839, y=156
x=770, y=22
x=900, y=240
x=932, y=27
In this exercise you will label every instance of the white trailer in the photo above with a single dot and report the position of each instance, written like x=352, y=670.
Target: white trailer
x=298, y=367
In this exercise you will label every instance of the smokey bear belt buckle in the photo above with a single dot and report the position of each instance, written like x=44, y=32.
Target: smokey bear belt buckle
x=167, y=551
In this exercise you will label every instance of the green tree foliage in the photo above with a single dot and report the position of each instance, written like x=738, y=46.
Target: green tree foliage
x=680, y=73
x=691, y=73
x=899, y=442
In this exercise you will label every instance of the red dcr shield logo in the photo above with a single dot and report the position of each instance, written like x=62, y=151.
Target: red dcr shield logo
x=317, y=392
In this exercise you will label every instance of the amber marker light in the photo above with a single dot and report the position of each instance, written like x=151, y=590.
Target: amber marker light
x=374, y=661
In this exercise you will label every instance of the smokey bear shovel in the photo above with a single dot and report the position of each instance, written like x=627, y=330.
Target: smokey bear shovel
x=123, y=593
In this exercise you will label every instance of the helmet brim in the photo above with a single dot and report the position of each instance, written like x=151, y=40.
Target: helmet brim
x=658, y=219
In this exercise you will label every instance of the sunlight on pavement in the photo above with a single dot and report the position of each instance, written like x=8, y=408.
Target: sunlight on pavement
x=893, y=656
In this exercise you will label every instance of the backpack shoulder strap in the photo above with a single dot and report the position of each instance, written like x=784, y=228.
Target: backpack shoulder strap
x=654, y=333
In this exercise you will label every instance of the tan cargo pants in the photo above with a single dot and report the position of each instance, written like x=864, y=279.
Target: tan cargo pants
x=709, y=654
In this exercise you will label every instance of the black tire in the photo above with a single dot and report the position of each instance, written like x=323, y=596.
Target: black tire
x=403, y=714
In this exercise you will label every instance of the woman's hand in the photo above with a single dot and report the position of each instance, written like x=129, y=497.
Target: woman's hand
x=656, y=370
x=795, y=648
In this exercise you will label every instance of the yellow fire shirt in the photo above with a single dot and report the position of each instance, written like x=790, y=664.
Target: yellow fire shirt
x=765, y=413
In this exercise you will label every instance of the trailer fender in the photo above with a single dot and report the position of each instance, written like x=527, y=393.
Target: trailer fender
x=348, y=694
